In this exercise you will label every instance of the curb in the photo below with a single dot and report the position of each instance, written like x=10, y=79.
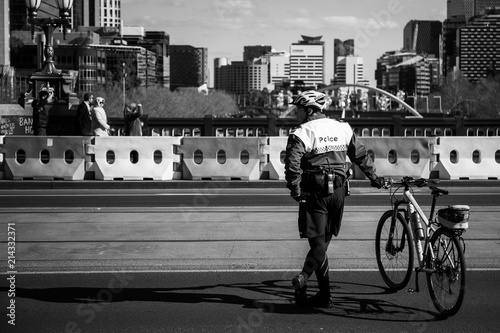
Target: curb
x=189, y=184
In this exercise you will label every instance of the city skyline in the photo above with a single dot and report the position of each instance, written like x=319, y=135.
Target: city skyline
x=224, y=27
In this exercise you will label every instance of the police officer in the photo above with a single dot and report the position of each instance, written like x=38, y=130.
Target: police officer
x=315, y=171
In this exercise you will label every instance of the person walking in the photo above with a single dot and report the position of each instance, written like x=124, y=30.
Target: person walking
x=315, y=172
x=131, y=119
x=40, y=114
x=83, y=121
x=100, y=125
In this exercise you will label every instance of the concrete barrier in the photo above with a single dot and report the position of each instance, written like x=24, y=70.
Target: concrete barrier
x=44, y=157
x=468, y=158
x=219, y=158
x=399, y=156
x=275, y=166
x=134, y=158
x=222, y=158
x=2, y=172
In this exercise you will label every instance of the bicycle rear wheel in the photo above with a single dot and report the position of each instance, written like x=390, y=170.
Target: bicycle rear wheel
x=447, y=281
x=394, y=250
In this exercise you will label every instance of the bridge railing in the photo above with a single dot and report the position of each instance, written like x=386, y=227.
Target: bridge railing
x=274, y=126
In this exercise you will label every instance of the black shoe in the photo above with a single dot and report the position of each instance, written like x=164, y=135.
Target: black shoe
x=321, y=300
x=299, y=283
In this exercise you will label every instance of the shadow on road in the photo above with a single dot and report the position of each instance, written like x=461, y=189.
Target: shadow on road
x=351, y=300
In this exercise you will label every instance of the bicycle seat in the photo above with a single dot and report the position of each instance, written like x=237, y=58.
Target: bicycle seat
x=438, y=191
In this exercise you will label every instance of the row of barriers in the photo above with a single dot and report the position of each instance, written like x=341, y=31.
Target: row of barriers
x=216, y=158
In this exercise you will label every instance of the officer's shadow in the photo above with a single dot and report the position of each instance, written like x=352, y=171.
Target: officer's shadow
x=271, y=297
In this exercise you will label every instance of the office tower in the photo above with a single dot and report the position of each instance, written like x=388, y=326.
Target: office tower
x=241, y=77
x=256, y=51
x=341, y=49
x=218, y=63
x=422, y=37
x=188, y=66
x=479, y=46
x=307, y=61
x=158, y=42
x=350, y=70
x=279, y=67
x=449, y=43
x=469, y=8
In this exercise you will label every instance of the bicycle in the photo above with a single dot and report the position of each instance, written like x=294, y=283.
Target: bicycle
x=437, y=241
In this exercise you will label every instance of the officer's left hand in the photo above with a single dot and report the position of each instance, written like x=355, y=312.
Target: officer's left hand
x=301, y=197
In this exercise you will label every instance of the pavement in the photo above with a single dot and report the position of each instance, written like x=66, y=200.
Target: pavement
x=204, y=238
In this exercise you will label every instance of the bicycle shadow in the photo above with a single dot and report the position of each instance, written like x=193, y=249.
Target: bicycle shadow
x=351, y=300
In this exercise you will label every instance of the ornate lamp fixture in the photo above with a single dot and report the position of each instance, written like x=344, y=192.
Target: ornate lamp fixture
x=48, y=25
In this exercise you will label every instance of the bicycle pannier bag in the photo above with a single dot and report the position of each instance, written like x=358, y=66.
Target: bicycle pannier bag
x=454, y=217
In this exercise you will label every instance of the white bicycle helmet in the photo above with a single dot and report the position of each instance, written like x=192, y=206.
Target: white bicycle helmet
x=311, y=98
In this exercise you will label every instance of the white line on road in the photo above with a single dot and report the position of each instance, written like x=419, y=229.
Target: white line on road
x=215, y=271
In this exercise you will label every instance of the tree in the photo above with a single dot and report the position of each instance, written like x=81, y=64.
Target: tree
x=474, y=100
x=160, y=102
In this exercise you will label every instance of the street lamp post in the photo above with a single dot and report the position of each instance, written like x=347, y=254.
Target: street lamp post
x=49, y=78
x=48, y=25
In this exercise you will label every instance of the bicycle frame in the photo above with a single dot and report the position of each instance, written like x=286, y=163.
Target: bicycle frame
x=412, y=206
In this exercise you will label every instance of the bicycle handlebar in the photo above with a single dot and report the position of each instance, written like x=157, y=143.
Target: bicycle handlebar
x=407, y=181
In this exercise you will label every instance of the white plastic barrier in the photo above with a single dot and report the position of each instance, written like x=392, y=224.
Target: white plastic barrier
x=399, y=156
x=134, y=158
x=1, y=159
x=275, y=166
x=468, y=157
x=219, y=158
x=44, y=157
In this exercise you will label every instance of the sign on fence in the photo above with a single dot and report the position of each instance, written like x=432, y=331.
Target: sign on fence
x=16, y=125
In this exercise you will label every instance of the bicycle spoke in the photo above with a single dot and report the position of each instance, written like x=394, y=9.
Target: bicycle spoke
x=447, y=281
x=394, y=251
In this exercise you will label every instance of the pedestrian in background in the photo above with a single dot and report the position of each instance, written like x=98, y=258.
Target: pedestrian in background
x=83, y=122
x=315, y=171
x=100, y=125
x=40, y=114
x=131, y=118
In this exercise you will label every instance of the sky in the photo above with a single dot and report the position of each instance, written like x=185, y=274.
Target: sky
x=224, y=27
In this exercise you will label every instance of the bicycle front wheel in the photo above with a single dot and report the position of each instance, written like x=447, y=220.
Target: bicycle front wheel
x=394, y=250
x=446, y=282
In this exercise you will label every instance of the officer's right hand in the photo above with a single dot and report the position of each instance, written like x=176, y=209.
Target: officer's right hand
x=377, y=182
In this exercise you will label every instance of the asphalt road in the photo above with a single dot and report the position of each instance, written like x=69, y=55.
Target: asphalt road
x=216, y=196
x=236, y=302
x=218, y=260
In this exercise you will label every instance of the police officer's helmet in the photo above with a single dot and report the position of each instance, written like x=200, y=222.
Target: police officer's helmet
x=312, y=99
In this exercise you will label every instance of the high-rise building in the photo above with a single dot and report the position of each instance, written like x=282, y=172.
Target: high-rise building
x=218, y=63
x=469, y=8
x=279, y=67
x=479, y=46
x=451, y=27
x=341, y=49
x=255, y=51
x=241, y=77
x=350, y=70
x=459, y=12
x=307, y=63
x=188, y=66
x=422, y=37
x=96, y=13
